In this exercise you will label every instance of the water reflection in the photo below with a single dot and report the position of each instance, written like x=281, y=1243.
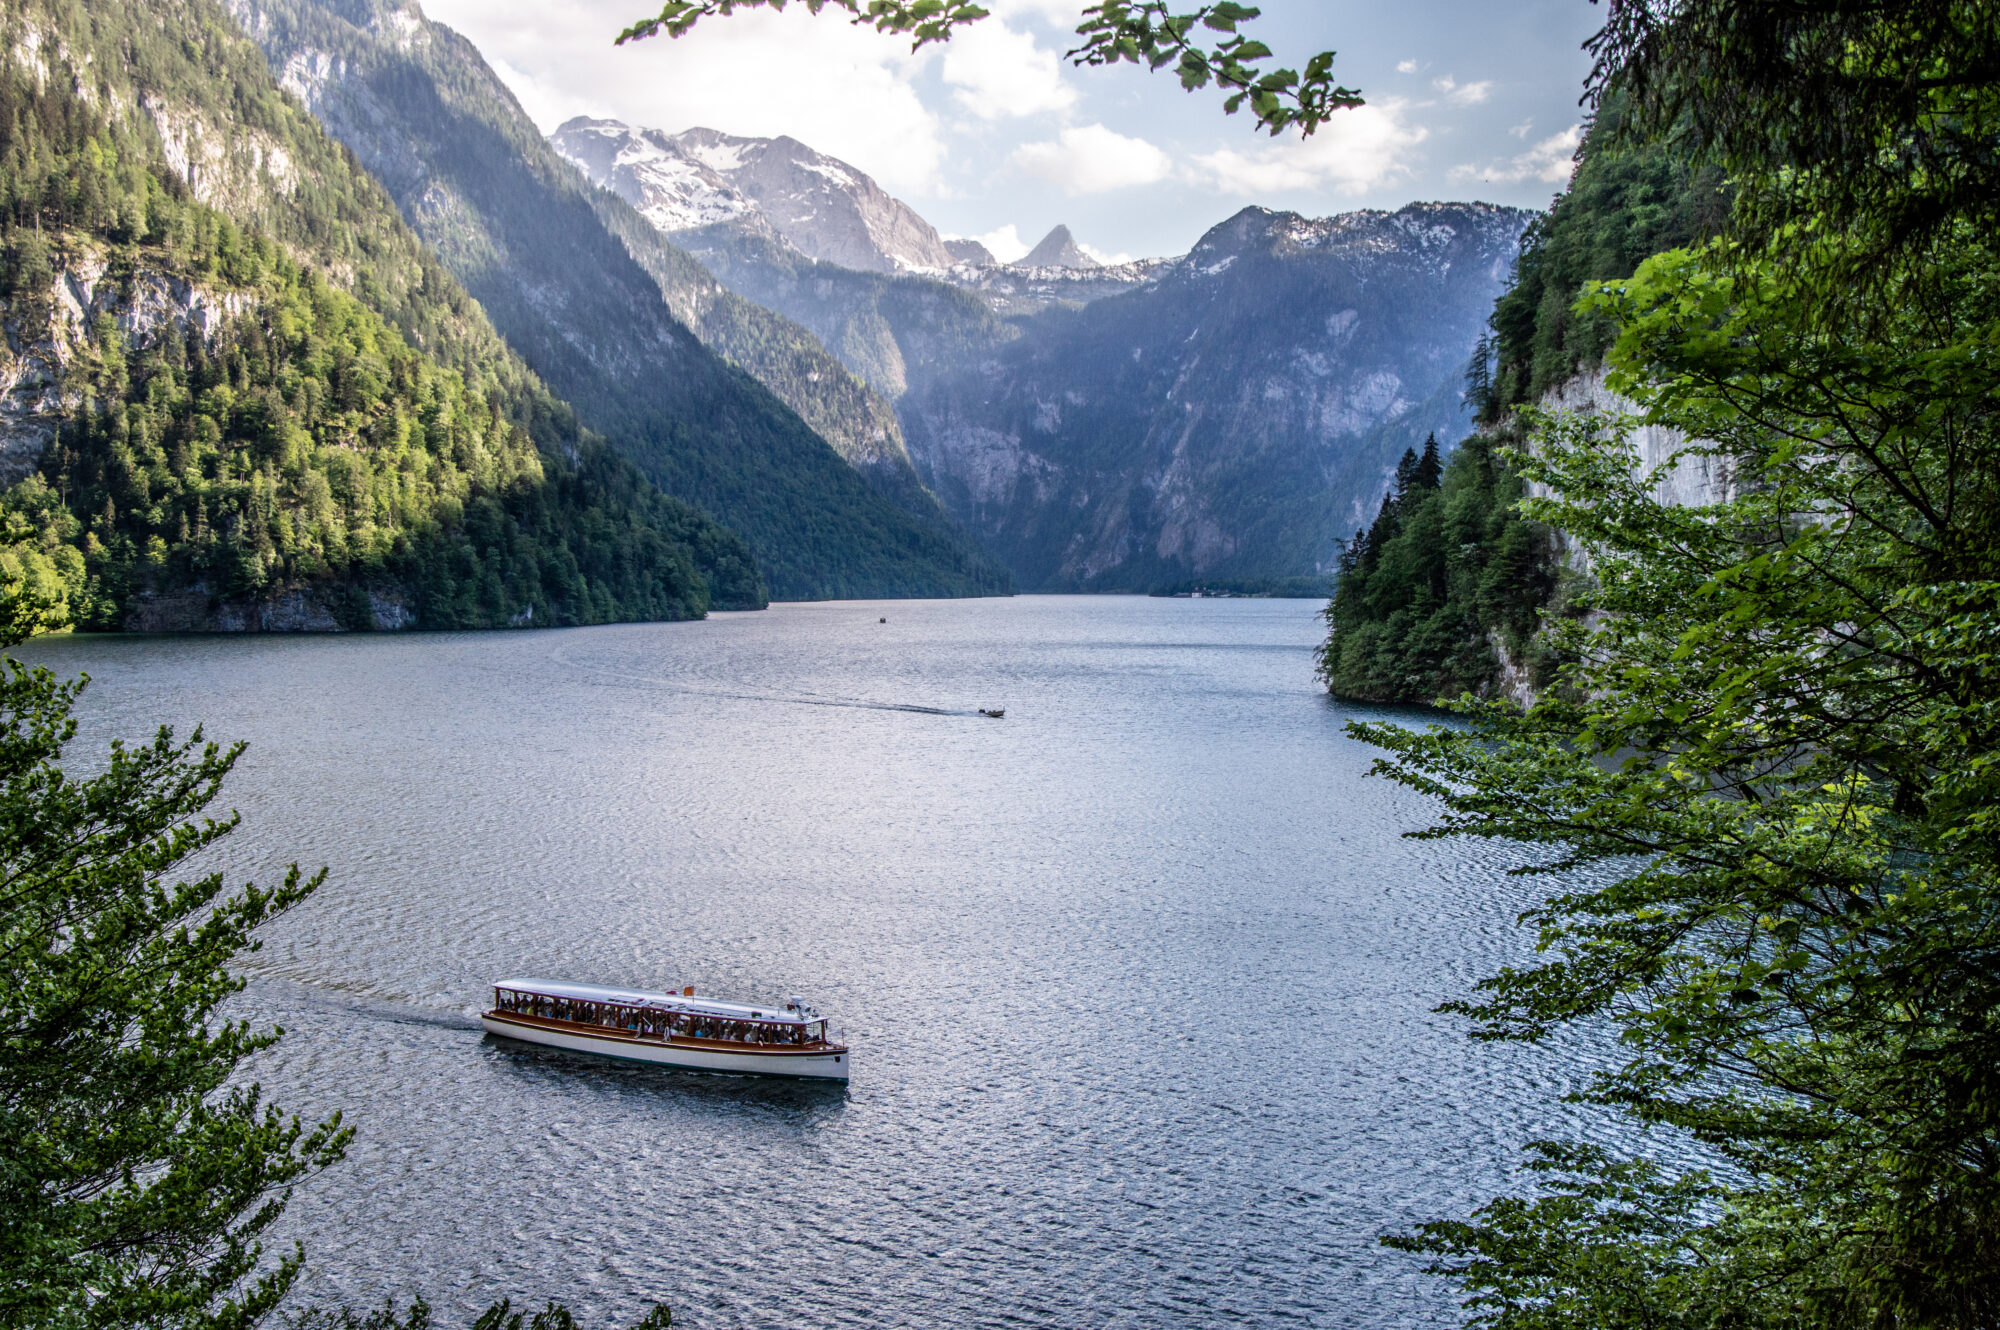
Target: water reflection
x=804, y=1103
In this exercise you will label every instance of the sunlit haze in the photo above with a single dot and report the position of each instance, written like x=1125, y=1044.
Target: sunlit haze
x=997, y=136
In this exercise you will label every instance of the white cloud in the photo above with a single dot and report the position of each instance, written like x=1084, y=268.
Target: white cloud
x=547, y=106
x=944, y=128
x=1090, y=159
x=1109, y=260
x=1064, y=14
x=845, y=90
x=1464, y=94
x=1004, y=244
x=999, y=72
x=1551, y=160
x=1354, y=151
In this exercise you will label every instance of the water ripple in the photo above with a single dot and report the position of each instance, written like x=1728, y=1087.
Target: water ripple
x=1140, y=980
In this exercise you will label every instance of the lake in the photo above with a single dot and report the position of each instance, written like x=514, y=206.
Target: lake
x=1139, y=979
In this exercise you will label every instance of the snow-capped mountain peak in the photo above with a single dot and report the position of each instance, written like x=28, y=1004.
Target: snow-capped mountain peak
x=673, y=188
x=825, y=207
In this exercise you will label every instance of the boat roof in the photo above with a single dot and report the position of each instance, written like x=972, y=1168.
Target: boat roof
x=635, y=997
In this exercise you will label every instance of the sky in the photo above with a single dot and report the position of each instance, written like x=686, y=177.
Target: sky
x=995, y=135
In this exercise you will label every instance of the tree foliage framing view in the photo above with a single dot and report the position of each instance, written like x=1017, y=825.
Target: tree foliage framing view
x=1768, y=774
x=135, y=1178
x=1114, y=32
x=138, y=1172
x=1766, y=778
x=1872, y=123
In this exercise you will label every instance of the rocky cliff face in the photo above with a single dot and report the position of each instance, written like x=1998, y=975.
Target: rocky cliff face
x=890, y=330
x=44, y=338
x=1686, y=482
x=963, y=250
x=1689, y=482
x=1236, y=413
x=820, y=205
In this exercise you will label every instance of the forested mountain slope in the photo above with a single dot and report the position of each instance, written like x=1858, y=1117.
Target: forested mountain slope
x=1621, y=208
x=542, y=253
x=1444, y=591
x=1235, y=417
x=243, y=393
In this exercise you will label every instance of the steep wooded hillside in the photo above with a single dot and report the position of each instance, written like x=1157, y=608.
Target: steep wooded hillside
x=245, y=396
x=1622, y=206
x=1445, y=590
x=543, y=254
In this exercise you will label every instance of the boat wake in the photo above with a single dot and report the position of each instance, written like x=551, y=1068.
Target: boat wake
x=297, y=993
x=741, y=693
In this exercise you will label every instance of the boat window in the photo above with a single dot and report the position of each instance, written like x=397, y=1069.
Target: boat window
x=646, y=1020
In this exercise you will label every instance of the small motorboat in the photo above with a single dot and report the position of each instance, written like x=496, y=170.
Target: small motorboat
x=995, y=712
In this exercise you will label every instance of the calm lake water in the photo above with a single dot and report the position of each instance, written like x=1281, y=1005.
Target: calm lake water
x=1139, y=979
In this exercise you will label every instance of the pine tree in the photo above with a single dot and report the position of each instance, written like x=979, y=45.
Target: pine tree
x=135, y=1180
x=1406, y=476
x=1429, y=472
x=1479, y=377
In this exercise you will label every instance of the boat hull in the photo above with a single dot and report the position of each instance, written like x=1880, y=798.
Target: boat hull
x=827, y=1064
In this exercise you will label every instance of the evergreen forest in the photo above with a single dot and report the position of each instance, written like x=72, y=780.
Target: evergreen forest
x=1755, y=776
x=289, y=438
x=1448, y=570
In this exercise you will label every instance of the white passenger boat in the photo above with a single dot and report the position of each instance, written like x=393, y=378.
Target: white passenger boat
x=672, y=1029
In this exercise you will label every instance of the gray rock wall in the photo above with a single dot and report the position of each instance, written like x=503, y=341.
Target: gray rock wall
x=43, y=339
x=1690, y=482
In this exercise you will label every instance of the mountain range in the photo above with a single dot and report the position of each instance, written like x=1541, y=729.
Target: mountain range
x=826, y=209
x=828, y=396
x=1234, y=413
x=710, y=396
x=830, y=211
